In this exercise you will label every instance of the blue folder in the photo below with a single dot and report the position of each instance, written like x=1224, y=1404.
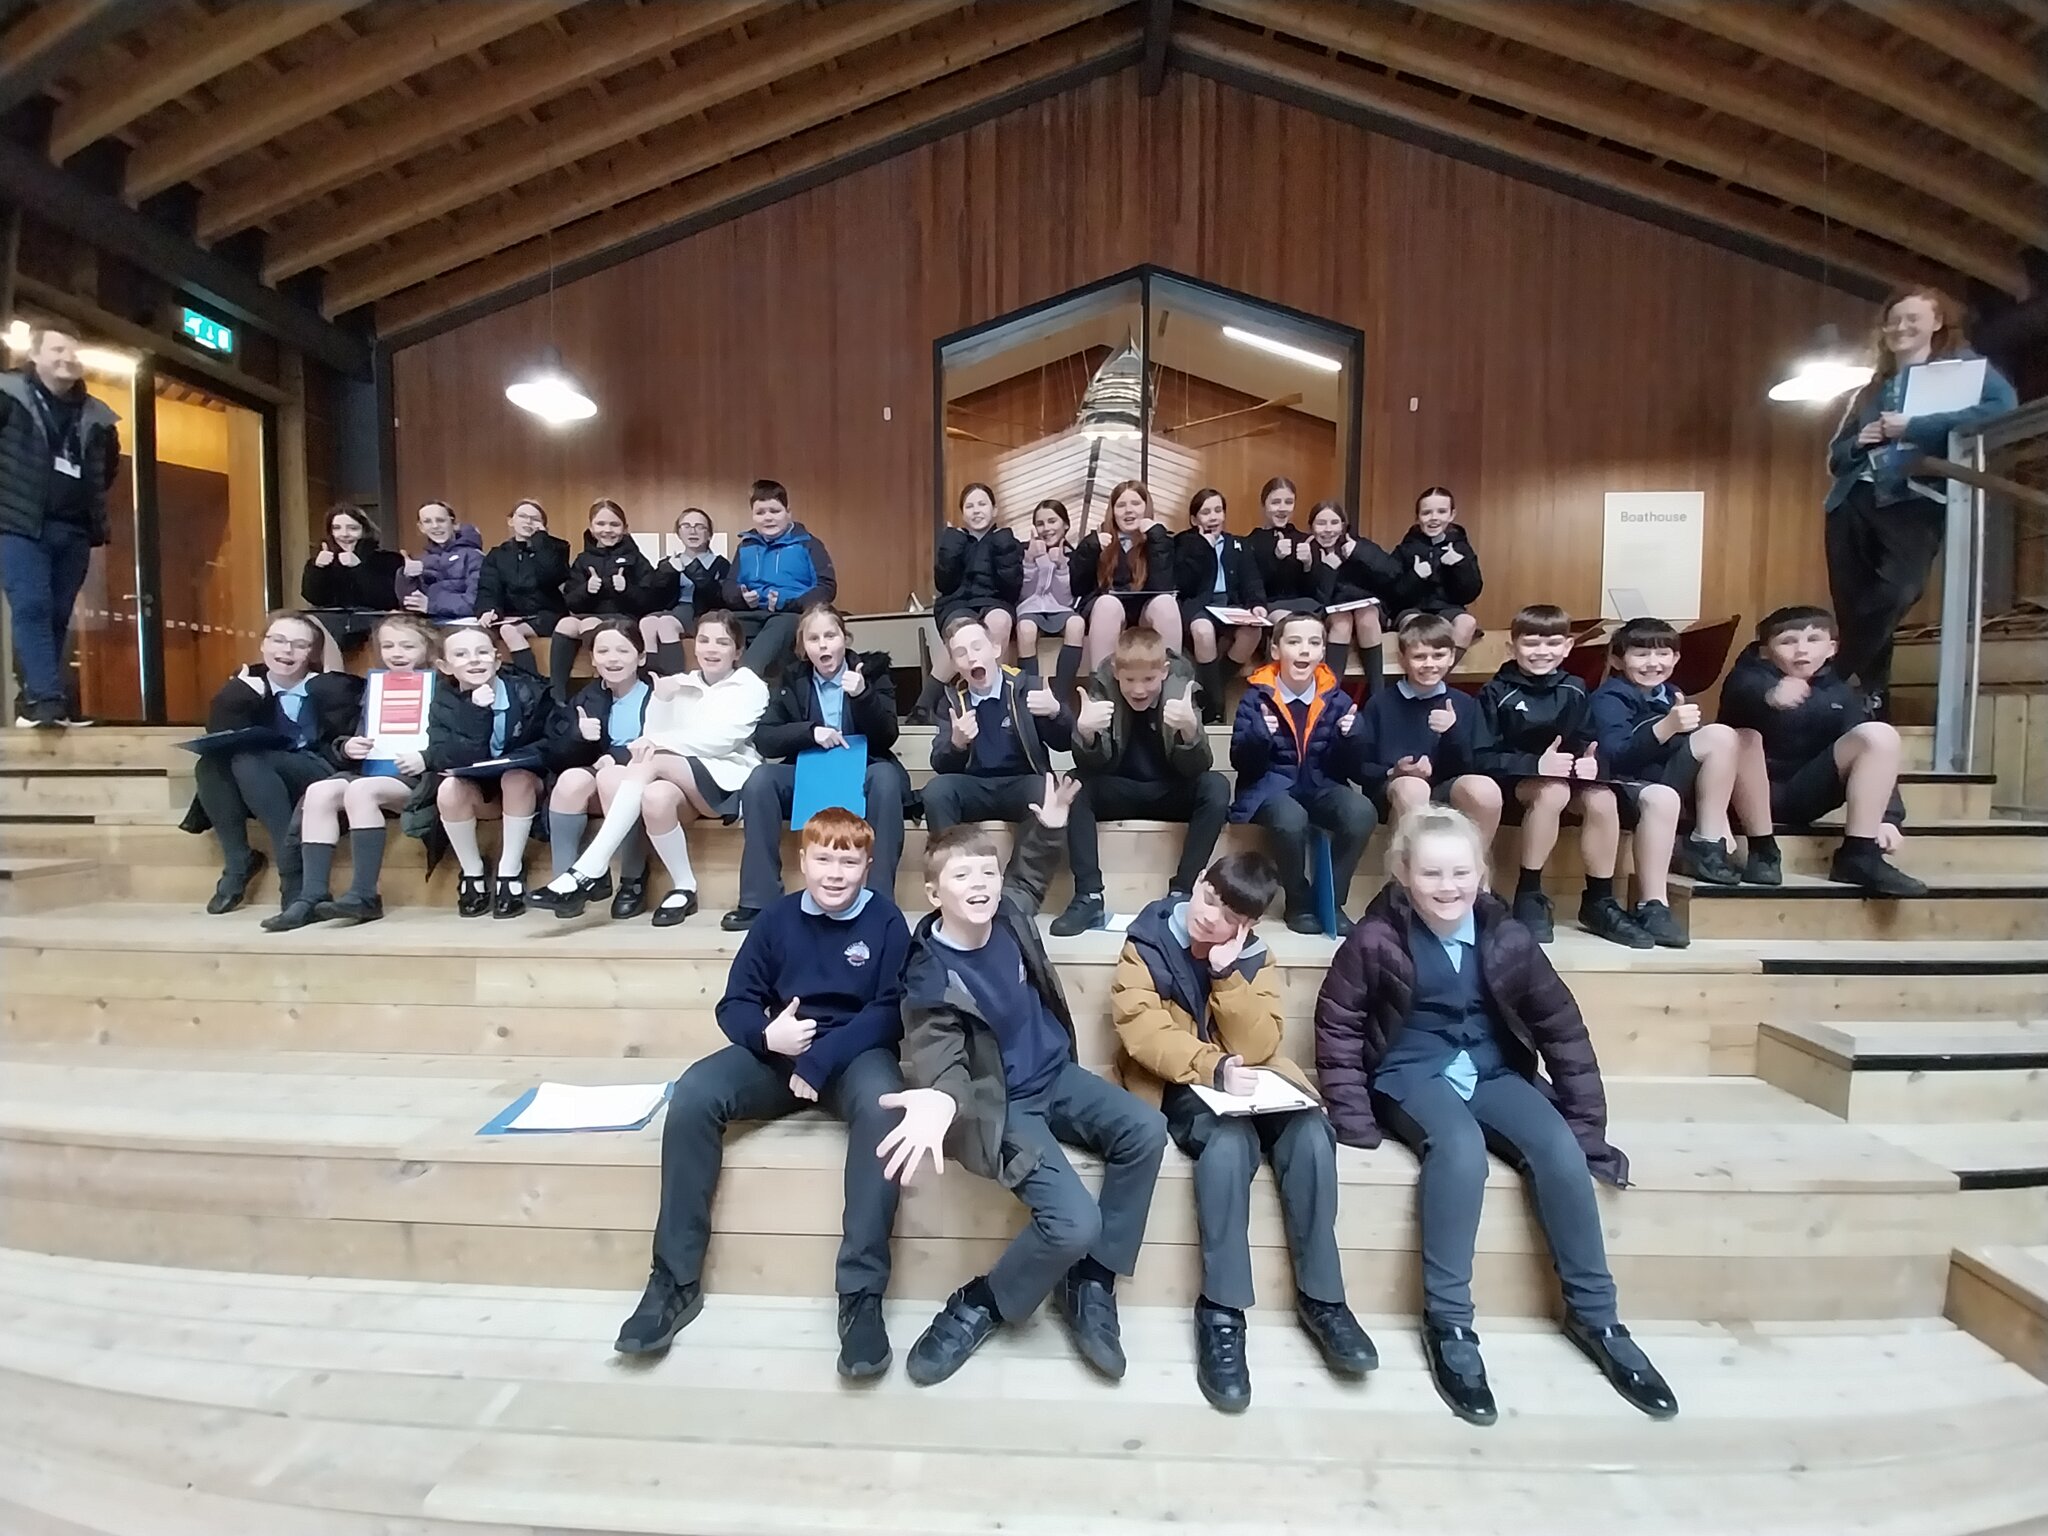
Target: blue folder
x=1325, y=881
x=829, y=776
x=501, y=1124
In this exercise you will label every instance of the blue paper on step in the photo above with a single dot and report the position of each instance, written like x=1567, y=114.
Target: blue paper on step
x=501, y=1124
x=250, y=738
x=829, y=776
x=1325, y=881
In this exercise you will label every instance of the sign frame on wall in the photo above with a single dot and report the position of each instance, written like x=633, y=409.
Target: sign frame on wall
x=205, y=332
x=1651, y=553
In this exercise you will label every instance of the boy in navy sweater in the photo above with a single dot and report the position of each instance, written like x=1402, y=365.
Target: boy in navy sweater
x=778, y=570
x=1660, y=754
x=813, y=1006
x=1417, y=740
x=1536, y=740
x=1809, y=746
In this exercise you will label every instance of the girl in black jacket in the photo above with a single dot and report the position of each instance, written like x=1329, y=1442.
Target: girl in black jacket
x=483, y=714
x=308, y=713
x=1126, y=577
x=349, y=582
x=588, y=741
x=1217, y=570
x=519, y=590
x=1338, y=567
x=1439, y=573
x=977, y=573
x=1275, y=545
x=690, y=583
x=611, y=579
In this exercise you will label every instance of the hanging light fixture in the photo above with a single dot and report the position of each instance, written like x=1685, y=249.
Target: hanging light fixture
x=1113, y=406
x=548, y=389
x=1827, y=368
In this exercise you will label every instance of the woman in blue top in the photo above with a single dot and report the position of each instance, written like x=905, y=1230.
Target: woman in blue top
x=1884, y=527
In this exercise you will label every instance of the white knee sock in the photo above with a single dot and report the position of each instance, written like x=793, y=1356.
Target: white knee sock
x=673, y=849
x=462, y=838
x=618, y=825
x=512, y=850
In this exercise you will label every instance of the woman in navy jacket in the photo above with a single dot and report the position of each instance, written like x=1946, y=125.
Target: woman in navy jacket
x=1884, y=527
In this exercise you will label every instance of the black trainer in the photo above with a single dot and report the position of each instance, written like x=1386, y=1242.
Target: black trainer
x=1626, y=1367
x=958, y=1331
x=1534, y=912
x=1604, y=918
x=1304, y=922
x=473, y=896
x=296, y=914
x=1763, y=866
x=864, y=1351
x=48, y=715
x=1457, y=1371
x=1221, y=1370
x=631, y=900
x=665, y=1310
x=350, y=908
x=1868, y=870
x=1655, y=919
x=1083, y=913
x=1347, y=1348
x=739, y=919
x=234, y=885
x=1708, y=862
x=1088, y=1308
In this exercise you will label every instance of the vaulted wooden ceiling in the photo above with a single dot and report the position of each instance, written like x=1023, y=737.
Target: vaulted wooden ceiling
x=422, y=156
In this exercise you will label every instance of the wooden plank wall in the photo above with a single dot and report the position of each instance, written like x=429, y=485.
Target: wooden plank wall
x=1527, y=349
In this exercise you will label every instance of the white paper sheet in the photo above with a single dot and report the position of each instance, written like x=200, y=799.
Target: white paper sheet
x=1953, y=384
x=570, y=1107
x=1273, y=1095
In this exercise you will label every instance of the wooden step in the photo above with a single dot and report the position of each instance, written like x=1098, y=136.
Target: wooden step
x=156, y=1402
x=30, y=884
x=1931, y=796
x=2001, y=1168
x=1958, y=906
x=1746, y=1201
x=129, y=794
x=1999, y=1293
x=1961, y=1070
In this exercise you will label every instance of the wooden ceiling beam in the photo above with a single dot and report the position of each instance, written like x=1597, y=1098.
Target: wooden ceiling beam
x=1949, y=28
x=628, y=172
x=1548, y=94
x=1737, y=93
x=1245, y=54
x=1780, y=33
x=578, y=134
x=1106, y=43
x=52, y=38
x=362, y=68
x=202, y=53
x=616, y=38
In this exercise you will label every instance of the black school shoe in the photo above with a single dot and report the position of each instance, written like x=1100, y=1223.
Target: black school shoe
x=864, y=1351
x=1655, y=919
x=350, y=909
x=1088, y=1308
x=511, y=899
x=665, y=1310
x=1867, y=869
x=1083, y=913
x=1626, y=1367
x=473, y=896
x=1304, y=922
x=1764, y=866
x=631, y=900
x=1347, y=1349
x=1221, y=1370
x=569, y=903
x=1604, y=918
x=1534, y=912
x=1708, y=862
x=1457, y=1372
x=739, y=919
x=234, y=885
x=297, y=914
x=958, y=1331
x=676, y=907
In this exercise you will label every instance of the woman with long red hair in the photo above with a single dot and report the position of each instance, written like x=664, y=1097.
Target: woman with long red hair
x=1884, y=525
x=1125, y=574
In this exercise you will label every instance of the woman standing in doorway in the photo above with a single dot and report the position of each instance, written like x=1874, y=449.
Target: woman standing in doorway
x=1884, y=526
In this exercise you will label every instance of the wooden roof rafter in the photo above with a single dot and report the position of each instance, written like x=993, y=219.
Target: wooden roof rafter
x=1955, y=31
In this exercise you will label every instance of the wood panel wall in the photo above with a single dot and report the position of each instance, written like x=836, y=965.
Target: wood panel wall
x=1527, y=349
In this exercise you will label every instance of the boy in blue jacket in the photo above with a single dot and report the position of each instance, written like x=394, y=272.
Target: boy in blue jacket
x=778, y=570
x=1418, y=740
x=1292, y=749
x=813, y=1006
x=1660, y=753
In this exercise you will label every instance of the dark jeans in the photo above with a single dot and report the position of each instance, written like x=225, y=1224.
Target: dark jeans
x=267, y=785
x=735, y=1084
x=1202, y=802
x=1338, y=809
x=771, y=640
x=1227, y=1150
x=1510, y=1114
x=765, y=800
x=1068, y=1223
x=42, y=577
x=1878, y=560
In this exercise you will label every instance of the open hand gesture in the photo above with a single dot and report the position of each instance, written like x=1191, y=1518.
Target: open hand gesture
x=1060, y=794
x=788, y=1033
x=920, y=1134
x=1554, y=762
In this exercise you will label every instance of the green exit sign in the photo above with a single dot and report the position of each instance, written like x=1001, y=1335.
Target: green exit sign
x=206, y=331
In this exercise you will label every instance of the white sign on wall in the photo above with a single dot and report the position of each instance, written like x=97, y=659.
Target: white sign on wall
x=1650, y=555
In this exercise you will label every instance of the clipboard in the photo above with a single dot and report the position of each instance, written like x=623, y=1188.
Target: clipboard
x=498, y=767
x=827, y=777
x=1936, y=388
x=248, y=738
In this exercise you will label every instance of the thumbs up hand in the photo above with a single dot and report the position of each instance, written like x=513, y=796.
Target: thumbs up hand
x=1041, y=702
x=1093, y=718
x=1687, y=715
x=851, y=682
x=1180, y=716
x=1421, y=569
x=618, y=581
x=586, y=726
x=1554, y=762
x=1450, y=556
x=1441, y=719
x=412, y=566
x=1587, y=767
x=595, y=584
x=966, y=726
x=788, y=1034
x=325, y=557
x=1306, y=552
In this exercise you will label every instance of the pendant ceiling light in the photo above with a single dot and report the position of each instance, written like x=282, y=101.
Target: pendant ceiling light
x=548, y=389
x=1827, y=368
x=1113, y=406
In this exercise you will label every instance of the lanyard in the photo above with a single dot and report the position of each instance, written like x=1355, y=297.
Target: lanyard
x=69, y=444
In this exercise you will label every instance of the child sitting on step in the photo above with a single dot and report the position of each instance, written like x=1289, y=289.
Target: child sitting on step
x=1196, y=1005
x=1418, y=740
x=1437, y=568
x=990, y=1052
x=589, y=740
x=1808, y=747
x=404, y=644
x=813, y=1007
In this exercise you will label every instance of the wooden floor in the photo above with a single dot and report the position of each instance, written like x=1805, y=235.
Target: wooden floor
x=142, y=1402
